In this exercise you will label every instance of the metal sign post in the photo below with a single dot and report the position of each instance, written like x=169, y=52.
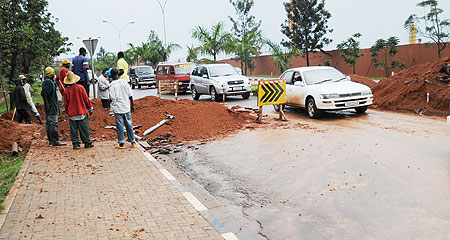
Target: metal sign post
x=271, y=92
x=91, y=44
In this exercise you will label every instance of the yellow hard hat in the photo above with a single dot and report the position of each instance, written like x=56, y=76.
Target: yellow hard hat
x=65, y=61
x=49, y=72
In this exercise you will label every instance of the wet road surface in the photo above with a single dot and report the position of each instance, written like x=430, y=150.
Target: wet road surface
x=373, y=176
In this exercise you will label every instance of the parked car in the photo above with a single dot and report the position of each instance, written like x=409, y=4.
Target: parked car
x=142, y=76
x=319, y=89
x=175, y=71
x=213, y=79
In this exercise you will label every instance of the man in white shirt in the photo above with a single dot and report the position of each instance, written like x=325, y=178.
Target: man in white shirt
x=27, y=88
x=122, y=105
x=103, y=91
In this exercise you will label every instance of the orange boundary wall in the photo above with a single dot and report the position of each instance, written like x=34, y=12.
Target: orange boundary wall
x=409, y=55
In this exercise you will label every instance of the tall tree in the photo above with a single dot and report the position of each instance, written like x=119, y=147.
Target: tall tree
x=247, y=40
x=28, y=39
x=214, y=41
x=106, y=60
x=306, y=25
x=351, y=51
x=388, y=49
x=282, y=59
x=436, y=28
x=192, y=54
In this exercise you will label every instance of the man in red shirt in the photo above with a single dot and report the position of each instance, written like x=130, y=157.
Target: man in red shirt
x=61, y=75
x=77, y=106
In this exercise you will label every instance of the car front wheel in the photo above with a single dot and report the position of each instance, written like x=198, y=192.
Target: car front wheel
x=214, y=96
x=195, y=94
x=246, y=95
x=361, y=110
x=312, y=110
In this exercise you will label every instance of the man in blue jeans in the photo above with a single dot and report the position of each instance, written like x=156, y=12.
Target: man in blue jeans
x=122, y=105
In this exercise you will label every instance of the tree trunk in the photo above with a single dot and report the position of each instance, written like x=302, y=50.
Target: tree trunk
x=307, y=58
x=13, y=65
x=354, y=69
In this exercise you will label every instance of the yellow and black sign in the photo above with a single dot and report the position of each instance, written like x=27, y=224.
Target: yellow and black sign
x=271, y=92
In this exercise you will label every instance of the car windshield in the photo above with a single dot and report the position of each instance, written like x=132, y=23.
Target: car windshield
x=222, y=70
x=144, y=70
x=327, y=75
x=184, y=69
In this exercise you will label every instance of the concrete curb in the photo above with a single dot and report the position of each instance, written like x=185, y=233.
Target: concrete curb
x=188, y=195
x=16, y=185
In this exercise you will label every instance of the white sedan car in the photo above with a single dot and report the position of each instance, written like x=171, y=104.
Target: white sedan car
x=319, y=89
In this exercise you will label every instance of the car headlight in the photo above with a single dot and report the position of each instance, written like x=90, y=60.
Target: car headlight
x=328, y=96
x=367, y=92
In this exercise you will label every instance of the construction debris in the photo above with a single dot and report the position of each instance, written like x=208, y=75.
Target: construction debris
x=158, y=125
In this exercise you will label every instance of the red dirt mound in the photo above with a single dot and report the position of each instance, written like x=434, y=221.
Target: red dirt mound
x=408, y=89
x=193, y=120
x=363, y=80
x=15, y=132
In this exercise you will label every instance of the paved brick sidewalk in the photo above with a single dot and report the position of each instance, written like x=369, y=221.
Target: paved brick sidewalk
x=98, y=193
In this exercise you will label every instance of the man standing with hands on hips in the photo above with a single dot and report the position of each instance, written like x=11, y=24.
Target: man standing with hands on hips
x=122, y=106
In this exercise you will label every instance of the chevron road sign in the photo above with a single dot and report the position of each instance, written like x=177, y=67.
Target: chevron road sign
x=271, y=92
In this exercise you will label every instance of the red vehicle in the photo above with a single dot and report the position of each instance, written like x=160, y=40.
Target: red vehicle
x=175, y=71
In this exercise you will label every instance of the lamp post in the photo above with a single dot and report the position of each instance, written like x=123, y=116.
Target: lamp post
x=163, y=10
x=118, y=32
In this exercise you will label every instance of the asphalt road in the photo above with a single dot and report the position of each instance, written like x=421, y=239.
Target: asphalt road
x=373, y=176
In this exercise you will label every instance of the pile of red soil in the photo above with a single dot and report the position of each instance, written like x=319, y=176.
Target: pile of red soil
x=194, y=121
x=363, y=80
x=15, y=132
x=408, y=89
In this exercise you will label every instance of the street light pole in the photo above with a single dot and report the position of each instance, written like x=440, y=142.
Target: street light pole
x=163, y=10
x=117, y=30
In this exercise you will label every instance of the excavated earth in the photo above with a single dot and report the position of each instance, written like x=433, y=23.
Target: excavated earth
x=194, y=121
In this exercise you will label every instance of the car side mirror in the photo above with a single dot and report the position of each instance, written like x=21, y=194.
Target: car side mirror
x=298, y=83
x=205, y=76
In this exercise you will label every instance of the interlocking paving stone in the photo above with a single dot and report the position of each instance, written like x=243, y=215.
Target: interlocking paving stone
x=98, y=193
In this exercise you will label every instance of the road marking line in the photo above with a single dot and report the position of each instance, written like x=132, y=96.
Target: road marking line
x=229, y=236
x=194, y=201
x=167, y=175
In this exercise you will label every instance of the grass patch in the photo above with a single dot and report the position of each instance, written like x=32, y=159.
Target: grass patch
x=9, y=168
x=254, y=88
x=378, y=78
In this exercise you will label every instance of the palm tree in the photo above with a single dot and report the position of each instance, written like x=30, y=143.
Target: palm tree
x=283, y=59
x=192, y=54
x=214, y=41
x=169, y=49
x=247, y=48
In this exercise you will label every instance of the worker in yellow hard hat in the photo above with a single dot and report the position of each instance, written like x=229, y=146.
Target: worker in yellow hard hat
x=51, y=107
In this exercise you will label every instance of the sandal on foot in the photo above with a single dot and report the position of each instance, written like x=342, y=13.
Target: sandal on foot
x=120, y=147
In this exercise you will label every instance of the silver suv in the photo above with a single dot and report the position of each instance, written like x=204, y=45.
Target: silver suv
x=214, y=79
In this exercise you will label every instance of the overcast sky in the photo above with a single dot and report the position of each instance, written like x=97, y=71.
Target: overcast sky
x=82, y=19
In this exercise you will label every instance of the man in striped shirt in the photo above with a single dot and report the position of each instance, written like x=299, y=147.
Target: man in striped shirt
x=80, y=65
